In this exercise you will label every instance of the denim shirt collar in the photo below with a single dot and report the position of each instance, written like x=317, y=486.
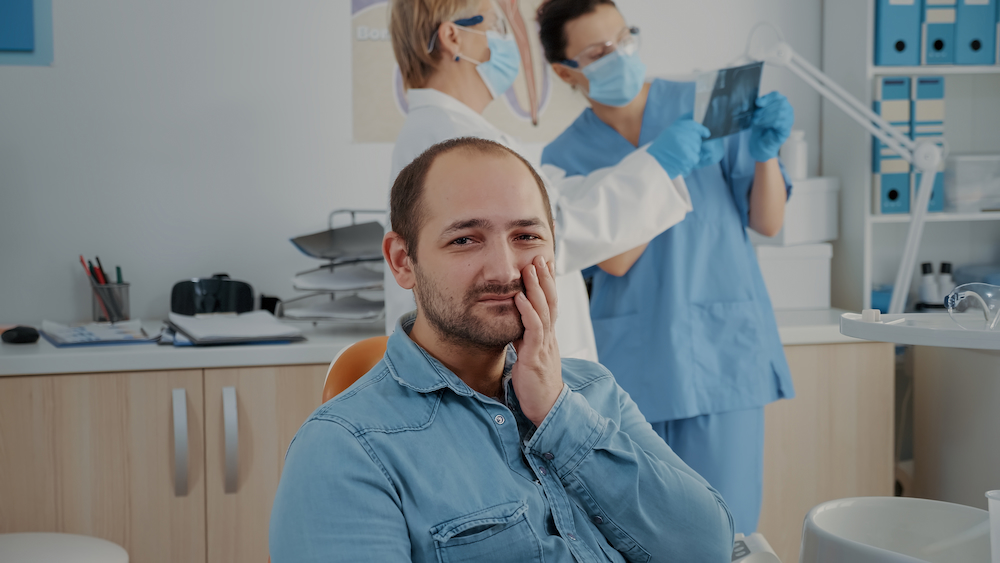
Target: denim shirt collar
x=412, y=366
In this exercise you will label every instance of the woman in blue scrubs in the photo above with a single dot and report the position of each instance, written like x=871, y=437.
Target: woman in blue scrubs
x=684, y=322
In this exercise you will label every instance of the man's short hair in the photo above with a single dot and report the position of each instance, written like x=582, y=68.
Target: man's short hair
x=553, y=15
x=412, y=23
x=405, y=201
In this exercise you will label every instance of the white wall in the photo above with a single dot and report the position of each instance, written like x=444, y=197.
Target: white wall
x=179, y=139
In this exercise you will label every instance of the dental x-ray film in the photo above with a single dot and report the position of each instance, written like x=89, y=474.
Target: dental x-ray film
x=724, y=99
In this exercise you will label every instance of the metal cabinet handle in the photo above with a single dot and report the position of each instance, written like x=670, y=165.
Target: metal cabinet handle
x=232, y=430
x=180, y=442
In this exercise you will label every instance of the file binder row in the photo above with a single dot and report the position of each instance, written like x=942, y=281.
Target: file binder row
x=915, y=106
x=937, y=32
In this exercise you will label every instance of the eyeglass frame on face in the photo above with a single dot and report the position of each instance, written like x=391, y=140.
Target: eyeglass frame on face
x=499, y=25
x=628, y=39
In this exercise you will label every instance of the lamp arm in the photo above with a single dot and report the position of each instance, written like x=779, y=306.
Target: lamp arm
x=925, y=156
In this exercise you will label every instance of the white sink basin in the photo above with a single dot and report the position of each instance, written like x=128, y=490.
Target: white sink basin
x=895, y=530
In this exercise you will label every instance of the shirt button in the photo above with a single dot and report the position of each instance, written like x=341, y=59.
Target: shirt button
x=499, y=419
x=598, y=520
x=548, y=456
x=571, y=537
x=543, y=471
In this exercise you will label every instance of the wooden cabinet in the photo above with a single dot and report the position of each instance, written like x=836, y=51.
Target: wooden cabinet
x=271, y=404
x=94, y=454
x=833, y=440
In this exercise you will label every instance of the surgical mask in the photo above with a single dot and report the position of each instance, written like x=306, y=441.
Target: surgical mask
x=975, y=306
x=500, y=71
x=616, y=78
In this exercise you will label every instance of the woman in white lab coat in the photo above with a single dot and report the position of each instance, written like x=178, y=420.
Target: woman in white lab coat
x=456, y=56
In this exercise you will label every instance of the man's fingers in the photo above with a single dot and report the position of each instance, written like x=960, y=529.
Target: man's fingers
x=548, y=284
x=533, y=290
x=529, y=317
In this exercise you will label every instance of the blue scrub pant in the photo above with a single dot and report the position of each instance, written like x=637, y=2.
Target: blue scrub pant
x=727, y=449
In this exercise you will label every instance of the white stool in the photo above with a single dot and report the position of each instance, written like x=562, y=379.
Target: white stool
x=894, y=530
x=44, y=547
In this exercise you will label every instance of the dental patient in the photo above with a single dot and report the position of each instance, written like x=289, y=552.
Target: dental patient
x=472, y=440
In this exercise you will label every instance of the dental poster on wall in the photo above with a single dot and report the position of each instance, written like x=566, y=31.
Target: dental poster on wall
x=379, y=99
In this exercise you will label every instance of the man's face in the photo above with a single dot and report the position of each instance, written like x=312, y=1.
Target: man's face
x=484, y=221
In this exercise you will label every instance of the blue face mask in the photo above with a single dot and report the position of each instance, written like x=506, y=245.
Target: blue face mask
x=500, y=71
x=615, y=79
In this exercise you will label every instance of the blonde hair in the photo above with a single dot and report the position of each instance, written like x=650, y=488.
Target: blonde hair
x=412, y=23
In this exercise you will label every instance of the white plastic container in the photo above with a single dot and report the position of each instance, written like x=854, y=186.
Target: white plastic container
x=795, y=155
x=972, y=182
x=810, y=214
x=797, y=277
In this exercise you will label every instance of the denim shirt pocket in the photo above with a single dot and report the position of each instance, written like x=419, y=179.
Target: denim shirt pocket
x=497, y=534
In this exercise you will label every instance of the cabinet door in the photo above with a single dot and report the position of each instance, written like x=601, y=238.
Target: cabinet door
x=270, y=405
x=833, y=440
x=93, y=454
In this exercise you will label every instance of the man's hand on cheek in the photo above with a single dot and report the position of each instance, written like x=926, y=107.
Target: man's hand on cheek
x=537, y=374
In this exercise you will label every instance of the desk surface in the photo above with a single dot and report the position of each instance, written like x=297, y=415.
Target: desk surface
x=322, y=344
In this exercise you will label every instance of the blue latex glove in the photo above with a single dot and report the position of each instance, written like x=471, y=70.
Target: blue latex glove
x=771, y=125
x=711, y=153
x=678, y=148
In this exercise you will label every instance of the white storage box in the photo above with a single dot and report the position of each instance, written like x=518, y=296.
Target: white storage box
x=972, y=182
x=797, y=277
x=810, y=214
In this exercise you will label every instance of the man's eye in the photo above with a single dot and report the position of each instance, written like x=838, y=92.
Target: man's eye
x=461, y=241
x=527, y=237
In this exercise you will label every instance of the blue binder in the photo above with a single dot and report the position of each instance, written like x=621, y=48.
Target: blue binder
x=897, y=32
x=938, y=44
x=892, y=192
x=17, y=25
x=928, y=123
x=928, y=107
x=936, y=203
x=892, y=103
x=975, y=32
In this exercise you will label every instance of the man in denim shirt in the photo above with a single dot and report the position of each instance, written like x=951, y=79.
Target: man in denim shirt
x=471, y=440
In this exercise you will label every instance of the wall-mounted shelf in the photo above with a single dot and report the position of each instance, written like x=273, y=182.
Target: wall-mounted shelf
x=868, y=250
x=932, y=70
x=937, y=217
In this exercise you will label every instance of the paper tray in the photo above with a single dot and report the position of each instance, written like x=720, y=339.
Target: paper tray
x=350, y=308
x=348, y=277
x=353, y=242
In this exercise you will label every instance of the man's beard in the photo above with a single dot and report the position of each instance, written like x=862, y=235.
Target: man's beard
x=456, y=322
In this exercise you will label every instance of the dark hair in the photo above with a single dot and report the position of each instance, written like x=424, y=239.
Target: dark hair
x=405, y=207
x=553, y=15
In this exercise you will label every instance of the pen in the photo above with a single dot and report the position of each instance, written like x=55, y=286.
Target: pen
x=96, y=272
x=100, y=268
x=93, y=287
x=118, y=270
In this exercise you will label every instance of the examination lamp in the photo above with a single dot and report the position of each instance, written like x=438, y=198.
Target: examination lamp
x=924, y=155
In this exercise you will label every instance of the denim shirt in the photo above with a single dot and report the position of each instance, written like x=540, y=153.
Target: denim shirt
x=411, y=464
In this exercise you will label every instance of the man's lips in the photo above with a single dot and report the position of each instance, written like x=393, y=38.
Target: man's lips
x=495, y=298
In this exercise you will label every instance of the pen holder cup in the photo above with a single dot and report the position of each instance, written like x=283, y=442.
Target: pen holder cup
x=110, y=302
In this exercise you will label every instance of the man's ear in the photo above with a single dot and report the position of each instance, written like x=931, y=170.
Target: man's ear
x=394, y=251
x=564, y=73
x=448, y=42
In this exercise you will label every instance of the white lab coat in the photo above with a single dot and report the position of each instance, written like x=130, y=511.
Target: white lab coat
x=597, y=216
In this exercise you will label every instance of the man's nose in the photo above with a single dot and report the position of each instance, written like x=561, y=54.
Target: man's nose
x=502, y=264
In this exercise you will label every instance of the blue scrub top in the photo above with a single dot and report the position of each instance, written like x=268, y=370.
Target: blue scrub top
x=689, y=330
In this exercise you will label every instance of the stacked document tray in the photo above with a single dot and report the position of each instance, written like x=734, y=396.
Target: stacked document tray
x=348, y=287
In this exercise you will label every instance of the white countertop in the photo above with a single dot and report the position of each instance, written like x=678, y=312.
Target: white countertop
x=814, y=326
x=322, y=344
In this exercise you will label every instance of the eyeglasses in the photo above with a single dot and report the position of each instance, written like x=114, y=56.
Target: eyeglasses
x=627, y=41
x=493, y=20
